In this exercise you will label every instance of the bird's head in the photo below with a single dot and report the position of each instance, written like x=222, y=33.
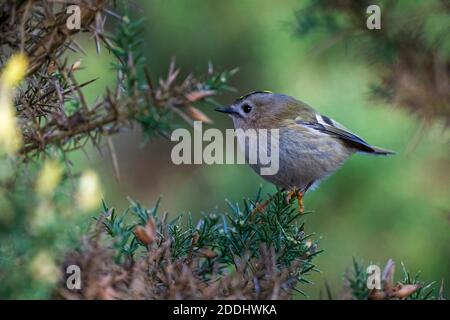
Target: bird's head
x=260, y=109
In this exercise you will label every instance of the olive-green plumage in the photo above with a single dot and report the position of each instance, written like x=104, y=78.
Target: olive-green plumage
x=311, y=146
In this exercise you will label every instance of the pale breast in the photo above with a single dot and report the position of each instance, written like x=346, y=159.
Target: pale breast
x=306, y=157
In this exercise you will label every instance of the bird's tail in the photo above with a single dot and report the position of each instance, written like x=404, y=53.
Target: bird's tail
x=380, y=151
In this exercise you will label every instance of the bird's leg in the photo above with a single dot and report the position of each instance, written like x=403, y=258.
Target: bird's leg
x=290, y=194
x=301, y=208
x=299, y=195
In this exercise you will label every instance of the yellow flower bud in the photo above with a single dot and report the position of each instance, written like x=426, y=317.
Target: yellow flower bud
x=10, y=136
x=43, y=268
x=49, y=177
x=89, y=193
x=15, y=70
x=43, y=216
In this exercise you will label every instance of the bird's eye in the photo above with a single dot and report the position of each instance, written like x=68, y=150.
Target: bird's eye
x=246, y=108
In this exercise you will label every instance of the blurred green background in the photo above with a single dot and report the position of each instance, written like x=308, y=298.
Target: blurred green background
x=374, y=208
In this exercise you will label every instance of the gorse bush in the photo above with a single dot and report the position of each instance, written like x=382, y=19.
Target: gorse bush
x=46, y=207
x=242, y=254
x=44, y=116
x=409, y=287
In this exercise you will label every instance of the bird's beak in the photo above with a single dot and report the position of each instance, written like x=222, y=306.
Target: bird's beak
x=228, y=110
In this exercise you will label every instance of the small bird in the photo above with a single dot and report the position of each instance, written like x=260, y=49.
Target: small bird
x=311, y=146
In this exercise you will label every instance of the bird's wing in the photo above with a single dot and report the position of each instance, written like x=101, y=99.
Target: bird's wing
x=329, y=126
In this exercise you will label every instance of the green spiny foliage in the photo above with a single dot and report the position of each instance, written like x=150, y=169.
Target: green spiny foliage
x=357, y=281
x=408, y=288
x=425, y=291
x=127, y=42
x=223, y=239
x=55, y=118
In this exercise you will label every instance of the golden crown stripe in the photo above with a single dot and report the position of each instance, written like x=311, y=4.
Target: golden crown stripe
x=245, y=96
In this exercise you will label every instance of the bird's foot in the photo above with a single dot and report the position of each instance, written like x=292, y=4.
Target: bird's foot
x=299, y=195
x=290, y=194
x=301, y=208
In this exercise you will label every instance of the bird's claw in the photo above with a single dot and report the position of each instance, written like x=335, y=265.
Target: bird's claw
x=301, y=207
x=299, y=195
